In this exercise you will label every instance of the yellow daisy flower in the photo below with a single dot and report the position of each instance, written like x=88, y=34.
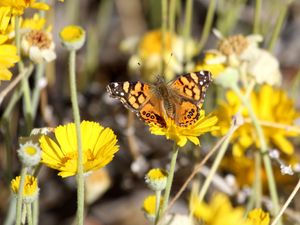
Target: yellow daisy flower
x=30, y=191
x=147, y=54
x=270, y=105
x=18, y=6
x=8, y=57
x=212, y=64
x=98, y=145
x=258, y=217
x=182, y=134
x=218, y=212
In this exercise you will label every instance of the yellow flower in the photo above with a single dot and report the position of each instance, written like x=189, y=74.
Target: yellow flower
x=182, y=134
x=212, y=64
x=149, y=206
x=30, y=191
x=73, y=37
x=35, y=23
x=18, y=6
x=98, y=145
x=218, y=212
x=148, y=56
x=4, y=18
x=8, y=57
x=270, y=105
x=258, y=217
x=156, y=179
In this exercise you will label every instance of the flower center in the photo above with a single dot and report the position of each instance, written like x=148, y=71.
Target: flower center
x=235, y=44
x=30, y=150
x=38, y=38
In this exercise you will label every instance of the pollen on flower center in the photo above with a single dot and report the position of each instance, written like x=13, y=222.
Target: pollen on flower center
x=38, y=38
x=235, y=44
x=30, y=150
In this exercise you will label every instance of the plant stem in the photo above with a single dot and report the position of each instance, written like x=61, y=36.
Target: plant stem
x=187, y=30
x=164, y=20
x=157, y=206
x=216, y=163
x=35, y=217
x=258, y=186
x=170, y=177
x=20, y=196
x=172, y=17
x=29, y=213
x=37, y=88
x=75, y=108
x=278, y=26
x=11, y=214
x=25, y=84
x=286, y=204
x=207, y=25
x=263, y=149
x=256, y=24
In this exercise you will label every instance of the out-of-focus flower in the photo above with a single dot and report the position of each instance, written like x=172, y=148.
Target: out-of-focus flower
x=35, y=23
x=39, y=46
x=147, y=54
x=211, y=63
x=149, y=206
x=29, y=154
x=258, y=217
x=8, y=58
x=98, y=145
x=72, y=37
x=243, y=52
x=30, y=191
x=182, y=134
x=18, y=6
x=156, y=179
x=218, y=212
x=270, y=105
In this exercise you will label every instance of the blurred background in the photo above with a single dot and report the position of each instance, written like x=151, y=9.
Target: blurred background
x=115, y=194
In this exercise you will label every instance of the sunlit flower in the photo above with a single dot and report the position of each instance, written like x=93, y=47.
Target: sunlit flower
x=8, y=57
x=39, y=46
x=270, y=105
x=258, y=217
x=218, y=212
x=18, y=6
x=4, y=18
x=30, y=191
x=243, y=52
x=148, y=56
x=72, y=37
x=182, y=134
x=98, y=145
x=156, y=179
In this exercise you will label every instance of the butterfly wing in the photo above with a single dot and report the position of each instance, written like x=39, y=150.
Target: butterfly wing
x=137, y=96
x=191, y=88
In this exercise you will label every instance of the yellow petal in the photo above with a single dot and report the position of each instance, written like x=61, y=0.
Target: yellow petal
x=282, y=143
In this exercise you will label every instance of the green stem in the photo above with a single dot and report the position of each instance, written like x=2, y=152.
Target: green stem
x=37, y=88
x=263, y=149
x=207, y=25
x=29, y=213
x=187, y=29
x=278, y=26
x=20, y=196
x=157, y=206
x=24, y=83
x=256, y=24
x=75, y=108
x=258, y=186
x=35, y=217
x=172, y=17
x=11, y=214
x=170, y=177
x=216, y=163
x=164, y=19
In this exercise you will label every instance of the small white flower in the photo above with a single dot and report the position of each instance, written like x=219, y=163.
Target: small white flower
x=29, y=154
x=39, y=46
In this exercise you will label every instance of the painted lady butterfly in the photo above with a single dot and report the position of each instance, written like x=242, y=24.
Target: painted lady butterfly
x=180, y=99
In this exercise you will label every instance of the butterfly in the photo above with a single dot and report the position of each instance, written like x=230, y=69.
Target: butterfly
x=180, y=99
